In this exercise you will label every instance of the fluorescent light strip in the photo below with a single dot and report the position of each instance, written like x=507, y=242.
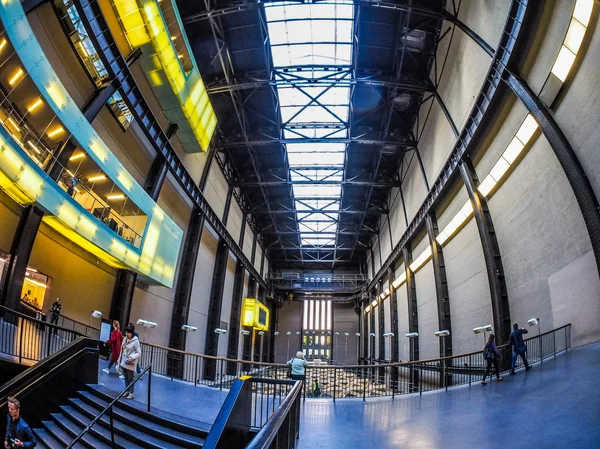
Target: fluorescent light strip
x=32, y=145
x=13, y=123
x=399, y=280
x=115, y=197
x=18, y=74
x=2, y=44
x=77, y=156
x=36, y=104
x=421, y=260
x=97, y=178
x=573, y=39
x=56, y=131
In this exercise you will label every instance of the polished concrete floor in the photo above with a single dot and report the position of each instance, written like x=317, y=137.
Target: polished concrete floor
x=555, y=405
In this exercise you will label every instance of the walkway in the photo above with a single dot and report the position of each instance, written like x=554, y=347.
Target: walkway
x=198, y=403
x=555, y=405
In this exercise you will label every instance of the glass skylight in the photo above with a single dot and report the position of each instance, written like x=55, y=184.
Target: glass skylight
x=311, y=43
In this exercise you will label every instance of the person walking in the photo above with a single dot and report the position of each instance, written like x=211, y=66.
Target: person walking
x=138, y=368
x=519, y=347
x=115, y=341
x=130, y=353
x=298, y=365
x=492, y=357
x=55, y=310
x=18, y=432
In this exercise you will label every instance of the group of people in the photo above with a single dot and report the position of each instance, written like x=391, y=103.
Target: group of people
x=492, y=354
x=125, y=354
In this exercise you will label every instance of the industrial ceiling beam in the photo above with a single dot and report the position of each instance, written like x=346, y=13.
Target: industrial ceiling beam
x=405, y=142
x=301, y=183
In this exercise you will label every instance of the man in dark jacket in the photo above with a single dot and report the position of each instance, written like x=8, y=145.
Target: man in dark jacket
x=18, y=433
x=519, y=347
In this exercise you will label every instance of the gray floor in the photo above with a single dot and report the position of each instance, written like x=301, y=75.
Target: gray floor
x=198, y=403
x=555, y=405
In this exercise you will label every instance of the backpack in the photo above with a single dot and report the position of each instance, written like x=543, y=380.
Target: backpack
x=289, y=370
x=488, y=354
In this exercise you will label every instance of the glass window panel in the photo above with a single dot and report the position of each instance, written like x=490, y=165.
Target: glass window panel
x=317, y=190
x=305, y=318
x=318, y=114
x=317, y=314
x=316, y=175
x=319, y=216
x=321, y=159
x=287, y=112
x=323, y=317
x=314, y=133
x=317, y=241
x=317, y=227
x=311, y=315
x=315, y=147
x=328, y=315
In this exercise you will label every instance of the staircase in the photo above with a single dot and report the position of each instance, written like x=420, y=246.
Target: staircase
x=133, y=426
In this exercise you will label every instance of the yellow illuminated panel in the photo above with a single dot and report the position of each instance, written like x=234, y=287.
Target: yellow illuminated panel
x=143, y=24
x=255, y=314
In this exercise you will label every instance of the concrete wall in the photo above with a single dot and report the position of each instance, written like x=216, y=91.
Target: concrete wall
x=290, y=320
x=345, y=319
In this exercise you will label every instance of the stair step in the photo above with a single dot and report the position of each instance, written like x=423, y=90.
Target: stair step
x=91, y=405
x=60, y=436
x=74, y=428
x=101, y=434
x=45, y=439
x=166, y=419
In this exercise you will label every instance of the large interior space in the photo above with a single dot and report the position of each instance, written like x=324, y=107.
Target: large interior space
x=299, y=224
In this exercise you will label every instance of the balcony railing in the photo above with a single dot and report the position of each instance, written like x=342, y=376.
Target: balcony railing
x=370, y=379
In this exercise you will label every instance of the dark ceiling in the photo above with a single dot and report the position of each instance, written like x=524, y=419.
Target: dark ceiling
x=393, y=51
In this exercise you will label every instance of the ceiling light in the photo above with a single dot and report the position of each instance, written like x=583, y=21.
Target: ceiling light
x=97, y=178
x=13, y=123
x=32, y=145
x=18, y=74
x=77, y=156
x=36, y=104
x=115, y=197
x=180, y=56
x=56, y=131
x=2, y=44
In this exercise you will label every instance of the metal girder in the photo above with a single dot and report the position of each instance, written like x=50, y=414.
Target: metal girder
x=20, y=251
x=99, y=33
x=403, y=142
x=470, y=134
x=214, y=309
x=183, y=289
x=388, y=184
x=247, y=82
x=353, y=211
x=158, y=172
x=234, y=318
x=381, y=325
x=249, y=5
x=574, y=171
x=309, y=249
x=394, y=318
x=491, y=253
x=316, y=233
x=441, y=285
x=413, y=305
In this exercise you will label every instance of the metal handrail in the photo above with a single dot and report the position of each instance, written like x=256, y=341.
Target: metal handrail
x=109, y=408
x=283, y=365
x=35, y=320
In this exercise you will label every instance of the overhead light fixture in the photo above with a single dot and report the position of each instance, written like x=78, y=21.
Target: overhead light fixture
x=412, y=334
x=180, y=56
x=147, y=323
x=115, y=197
x=357, y=334
x=2, y=44
x=188, y=328
x=96, y=314
x=443, y=333
x=13, y=123
x=388, y=334
x=420, y=261
x=244, y=332
x=96, y=178
x=374, y=303
x=16, y=76
x=276, y=333
x=288, y=333
x=36, y=104
x=56, y=131
x=220, y=331
x=261, y=333
x=533, y=321
x=372, y=334
x=77, y=156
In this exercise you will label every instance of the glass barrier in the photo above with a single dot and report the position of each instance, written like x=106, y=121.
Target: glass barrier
x=39, y=132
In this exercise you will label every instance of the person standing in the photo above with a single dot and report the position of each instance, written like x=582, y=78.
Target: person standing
x=18, y=432
x=55, y=310
x=115, y=341
x=138, y=368
x=519, y=347
x=492, y=357
x=130, y=353
x=298, y=365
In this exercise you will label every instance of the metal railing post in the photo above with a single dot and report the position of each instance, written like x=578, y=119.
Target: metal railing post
x=21, y=340
x=421, y=380
x=470, y=369
x=196, y=371
x=149, y=386
x=364, y=385
x=112, y=428
x=334, y=383
x=554, y=335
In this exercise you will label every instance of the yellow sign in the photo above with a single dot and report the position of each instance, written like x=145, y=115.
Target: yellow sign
x=255, y=314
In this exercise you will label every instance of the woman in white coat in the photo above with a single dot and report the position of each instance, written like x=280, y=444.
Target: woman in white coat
x=130, y=354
